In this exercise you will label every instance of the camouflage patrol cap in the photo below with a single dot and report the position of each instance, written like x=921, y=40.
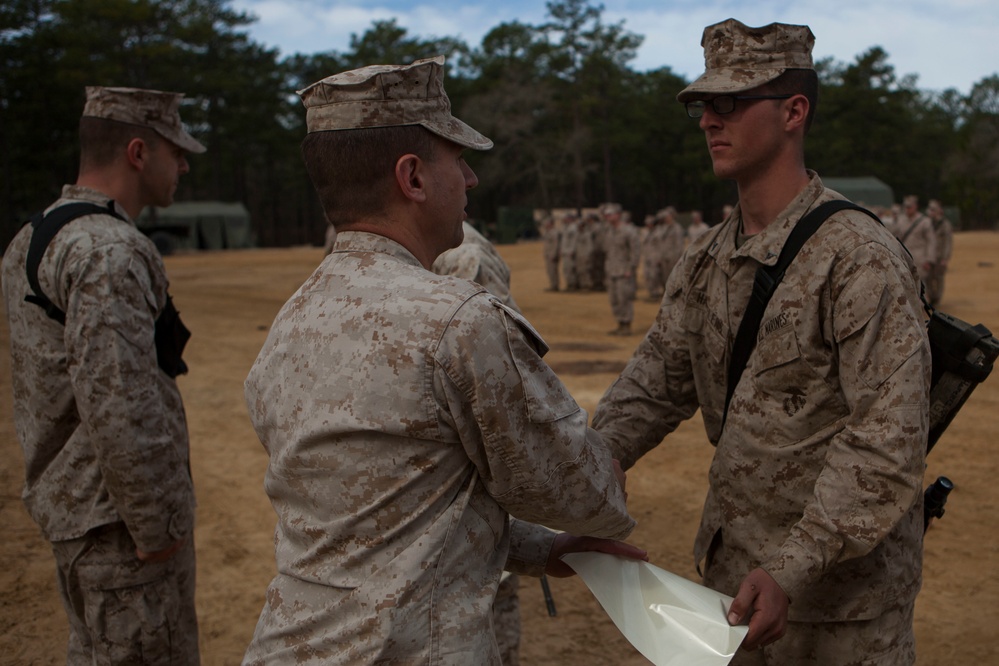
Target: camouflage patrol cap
x=388, y=96
x=610, y=208
x=738, y=58
x=155, y=109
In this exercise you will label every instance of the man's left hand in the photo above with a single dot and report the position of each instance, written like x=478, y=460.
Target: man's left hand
x=568, y=543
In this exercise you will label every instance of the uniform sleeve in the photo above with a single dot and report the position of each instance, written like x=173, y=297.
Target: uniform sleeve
x=530, y=546
x=872, y=476
x=522, y=429
x=130, y=413
x=655, y=392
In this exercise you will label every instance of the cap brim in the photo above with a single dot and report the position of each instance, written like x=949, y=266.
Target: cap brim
x=727, y=81
x=458, y=132
x=188, y=143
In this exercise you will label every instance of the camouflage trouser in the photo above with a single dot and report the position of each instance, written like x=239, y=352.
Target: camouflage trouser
x=584, y=271
x=653, y=277
x=506, y=620
x=569, y=272
x=124, y=611
x=887, y=640
x=935, y=284
x=551, y=268
x=621, y=291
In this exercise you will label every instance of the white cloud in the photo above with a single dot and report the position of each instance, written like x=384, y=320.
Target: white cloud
x=950, y=44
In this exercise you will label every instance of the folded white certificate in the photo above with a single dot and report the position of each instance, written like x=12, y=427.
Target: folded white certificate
x=672, y=621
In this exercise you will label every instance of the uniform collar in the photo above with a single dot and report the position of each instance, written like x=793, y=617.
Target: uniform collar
x=765, y=246
x=90, y=195
x=365, y=241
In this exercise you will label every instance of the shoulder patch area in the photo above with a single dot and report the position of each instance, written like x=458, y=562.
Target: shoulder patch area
x=532, y=334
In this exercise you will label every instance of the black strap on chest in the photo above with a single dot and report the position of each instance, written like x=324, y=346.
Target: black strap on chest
x=765, y=284
x=44, y=229
x=171, y=335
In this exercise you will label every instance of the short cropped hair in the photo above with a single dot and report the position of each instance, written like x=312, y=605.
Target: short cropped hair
x=352, y=170
x=102, y=140
x=796, y=82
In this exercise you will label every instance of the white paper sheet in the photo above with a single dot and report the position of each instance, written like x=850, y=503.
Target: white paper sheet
x=672, y=621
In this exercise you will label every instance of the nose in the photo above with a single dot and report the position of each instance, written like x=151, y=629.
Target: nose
x=471, y=180
x=709, y=118
x=182, y=165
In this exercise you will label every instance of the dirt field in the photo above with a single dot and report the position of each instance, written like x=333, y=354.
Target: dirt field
x=229, y=299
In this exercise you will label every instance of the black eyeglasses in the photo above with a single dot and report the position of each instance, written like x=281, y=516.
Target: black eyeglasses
x=723, y=103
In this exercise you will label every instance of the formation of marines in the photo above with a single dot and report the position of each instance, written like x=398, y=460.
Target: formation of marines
x=574, y=247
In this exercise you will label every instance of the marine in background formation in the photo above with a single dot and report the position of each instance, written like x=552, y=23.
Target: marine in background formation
x=623, y=256
x=944, y=244
x=915, y=231
x=673, y=243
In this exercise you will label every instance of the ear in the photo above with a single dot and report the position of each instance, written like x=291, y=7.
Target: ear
x=410, y=177
x=137, y=153
x=797, y=112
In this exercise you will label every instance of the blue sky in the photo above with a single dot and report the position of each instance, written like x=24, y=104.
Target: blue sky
x=947, y=43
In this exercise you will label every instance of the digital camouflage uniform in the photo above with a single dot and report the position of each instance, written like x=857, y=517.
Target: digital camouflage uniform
x=673, y=243
x=476, y=259
x=919, y=237
x=652, y=261
x=407, y=415
x=598, y=264
x=623, y=255
x=550, y=238
x=104, y=438
x=817, y=475
x=944, y=243
x=585, y=248
x=567, y=253
x=696, y=229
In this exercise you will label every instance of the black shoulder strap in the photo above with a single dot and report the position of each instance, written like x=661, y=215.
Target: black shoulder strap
x=45, y=227
x=765, y=284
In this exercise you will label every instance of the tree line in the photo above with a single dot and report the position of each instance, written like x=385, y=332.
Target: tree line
x=574, y=124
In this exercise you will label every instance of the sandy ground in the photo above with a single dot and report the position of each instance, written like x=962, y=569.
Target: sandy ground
x=229, y=299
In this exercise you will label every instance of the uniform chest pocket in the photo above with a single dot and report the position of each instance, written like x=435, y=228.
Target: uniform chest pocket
x=775, y=351
x=786, y=388
x=703, y=324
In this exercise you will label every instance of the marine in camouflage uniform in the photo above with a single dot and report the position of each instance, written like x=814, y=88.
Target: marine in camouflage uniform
x=567, y=251
x=652, y=264
x=408, y=415
x=673, y=242
x=697, y=226
x=623, y=254
x=101, y=424
x=585, y=253
x=944, y=246
x=815, y=488
x=550, y=239
x=916, y=232
x=598, y=264
x=476, y=259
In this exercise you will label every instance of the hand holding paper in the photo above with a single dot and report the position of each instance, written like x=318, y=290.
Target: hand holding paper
x=766, y=599
x=672, y=621
x=567, y=543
